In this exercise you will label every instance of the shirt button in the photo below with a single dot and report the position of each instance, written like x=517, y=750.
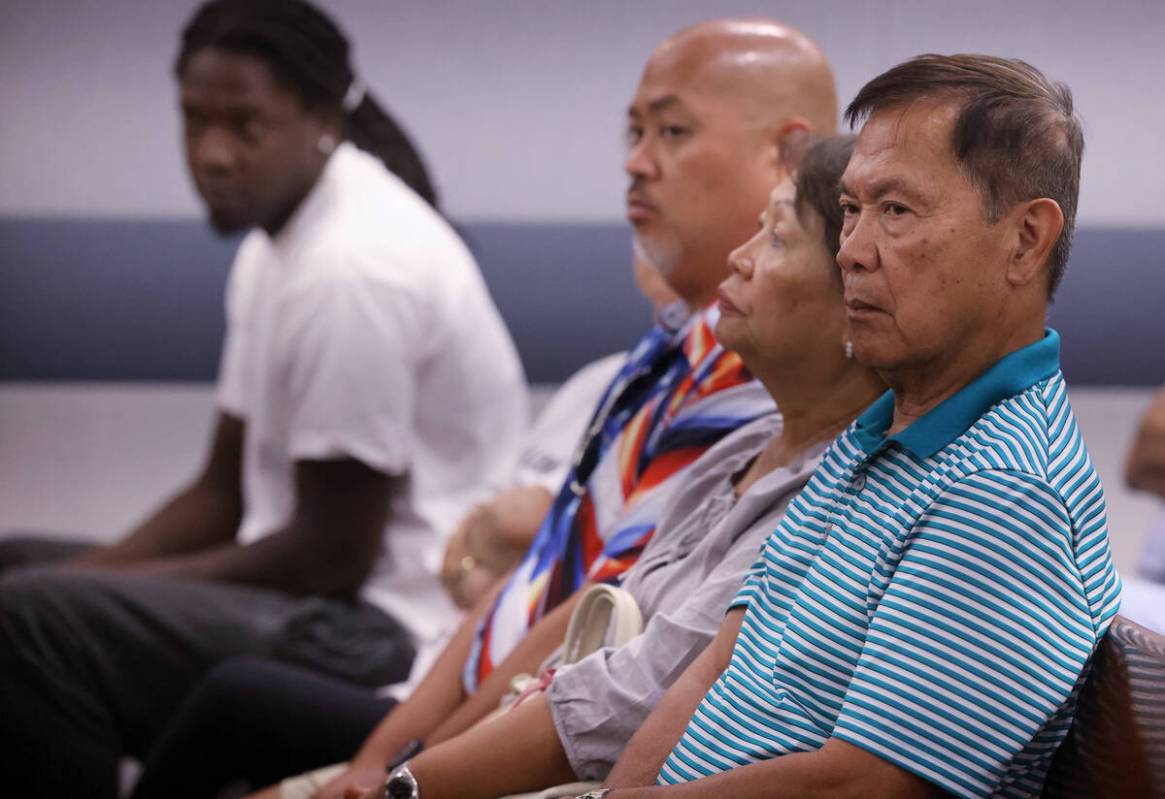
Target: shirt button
x=859, y=482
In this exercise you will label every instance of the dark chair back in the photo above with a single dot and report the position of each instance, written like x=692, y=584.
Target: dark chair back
x=1116, y=747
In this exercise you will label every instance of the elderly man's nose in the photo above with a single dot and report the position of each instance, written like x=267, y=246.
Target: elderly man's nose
x=858, y=250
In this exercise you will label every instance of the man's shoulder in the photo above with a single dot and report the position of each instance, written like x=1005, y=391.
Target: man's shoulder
x=1024, y=467
x=1033, y=433
x=371, y=218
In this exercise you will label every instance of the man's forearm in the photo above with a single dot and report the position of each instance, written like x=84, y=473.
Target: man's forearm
x=647, y=750
x=197, y=518
x=838, y=770
x=328, y=546
x=289, y=560
x=206, y=514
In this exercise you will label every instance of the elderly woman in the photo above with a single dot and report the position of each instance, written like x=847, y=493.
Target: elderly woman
x=782, y=310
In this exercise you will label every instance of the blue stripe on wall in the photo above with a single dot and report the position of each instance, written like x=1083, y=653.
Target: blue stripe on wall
x=142, y=300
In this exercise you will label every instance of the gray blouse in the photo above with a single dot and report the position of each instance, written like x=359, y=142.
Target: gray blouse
x=693, y=566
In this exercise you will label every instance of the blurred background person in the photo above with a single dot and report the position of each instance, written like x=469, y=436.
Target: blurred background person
x=369, y=391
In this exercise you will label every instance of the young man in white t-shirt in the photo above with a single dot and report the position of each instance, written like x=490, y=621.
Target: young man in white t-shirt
x=369, y=394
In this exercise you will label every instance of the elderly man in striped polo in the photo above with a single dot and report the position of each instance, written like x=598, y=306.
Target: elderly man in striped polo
x=922, y=619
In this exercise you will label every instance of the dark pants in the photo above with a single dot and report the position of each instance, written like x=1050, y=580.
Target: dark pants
x=94, y=664
x=256, y=722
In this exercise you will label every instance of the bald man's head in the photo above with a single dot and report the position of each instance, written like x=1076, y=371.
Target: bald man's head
x=719, y=105
x=772, y=71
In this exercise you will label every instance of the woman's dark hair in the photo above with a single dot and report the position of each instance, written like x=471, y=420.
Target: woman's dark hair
x=817, y=180
x=308, y=55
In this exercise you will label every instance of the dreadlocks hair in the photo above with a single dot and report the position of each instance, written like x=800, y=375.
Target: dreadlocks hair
x=308, y=55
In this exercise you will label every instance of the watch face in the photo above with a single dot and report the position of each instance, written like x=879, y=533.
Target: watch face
x=398, y=788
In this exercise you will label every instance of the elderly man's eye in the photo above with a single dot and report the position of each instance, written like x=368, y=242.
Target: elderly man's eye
x=672, y=131
x=848, y=208
x=895, y=209
x=633, y=135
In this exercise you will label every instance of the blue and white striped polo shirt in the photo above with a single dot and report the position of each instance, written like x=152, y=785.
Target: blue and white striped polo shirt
x=932, y=597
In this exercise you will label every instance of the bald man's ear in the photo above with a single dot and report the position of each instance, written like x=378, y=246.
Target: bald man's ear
x=791, y=142
x=1036, y=226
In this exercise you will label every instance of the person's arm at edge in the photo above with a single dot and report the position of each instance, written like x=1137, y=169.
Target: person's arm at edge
x=1145, y=468
x=206, y=513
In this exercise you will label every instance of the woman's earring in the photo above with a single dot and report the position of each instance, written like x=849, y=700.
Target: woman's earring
x=849, y=349
x=326, y=144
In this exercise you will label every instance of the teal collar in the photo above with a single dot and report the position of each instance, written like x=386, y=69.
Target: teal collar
x=1010, y=375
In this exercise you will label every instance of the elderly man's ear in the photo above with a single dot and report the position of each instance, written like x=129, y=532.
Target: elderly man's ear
x=791, y=141
x=1036, y=227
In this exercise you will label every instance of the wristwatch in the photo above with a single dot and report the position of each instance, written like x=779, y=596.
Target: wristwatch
x=596, y=794
x=401, y=784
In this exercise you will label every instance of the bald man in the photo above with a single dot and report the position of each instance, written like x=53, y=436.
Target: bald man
x=719, y=107
x=719, y=111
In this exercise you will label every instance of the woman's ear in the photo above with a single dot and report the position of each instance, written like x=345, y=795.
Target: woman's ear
x=1036, y=225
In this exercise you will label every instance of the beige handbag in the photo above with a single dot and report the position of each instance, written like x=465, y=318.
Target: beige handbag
x=605, y=616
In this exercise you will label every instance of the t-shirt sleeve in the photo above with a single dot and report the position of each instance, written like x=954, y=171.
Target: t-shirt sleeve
x=551, y=442
x=978, y=643
x=753, y=581
x=353, y=353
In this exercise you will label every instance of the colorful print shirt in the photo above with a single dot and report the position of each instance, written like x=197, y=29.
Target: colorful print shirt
x=678, y=394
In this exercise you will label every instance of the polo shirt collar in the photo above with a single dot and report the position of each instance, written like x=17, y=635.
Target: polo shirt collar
x=1011, y=374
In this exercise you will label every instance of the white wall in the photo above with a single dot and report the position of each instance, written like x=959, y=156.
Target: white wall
x=91, y=459
x=518, y=105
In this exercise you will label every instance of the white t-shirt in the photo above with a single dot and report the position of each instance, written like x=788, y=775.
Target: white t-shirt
x=556, y=432
x=364, y=330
